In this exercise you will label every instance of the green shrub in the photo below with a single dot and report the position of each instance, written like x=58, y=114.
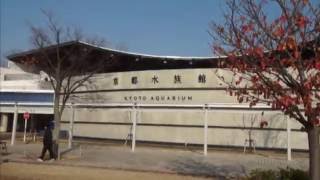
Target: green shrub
x=281, y=174
x=293, y=174
x=259, y=174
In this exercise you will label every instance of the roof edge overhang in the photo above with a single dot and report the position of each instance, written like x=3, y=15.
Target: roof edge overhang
x=126, y=61
x=110, y=50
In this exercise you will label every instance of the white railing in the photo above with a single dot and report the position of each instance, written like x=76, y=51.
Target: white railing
x=137, y=107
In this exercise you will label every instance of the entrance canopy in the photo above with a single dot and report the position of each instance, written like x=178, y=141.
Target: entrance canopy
x=123, y=61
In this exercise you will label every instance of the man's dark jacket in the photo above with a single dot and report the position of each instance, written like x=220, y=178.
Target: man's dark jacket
x=47, y=137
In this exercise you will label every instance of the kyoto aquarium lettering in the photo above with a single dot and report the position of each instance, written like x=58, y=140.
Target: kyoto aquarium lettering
x=177, y=79
x=158, y=98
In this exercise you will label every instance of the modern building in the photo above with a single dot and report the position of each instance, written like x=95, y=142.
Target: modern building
x=168, y=100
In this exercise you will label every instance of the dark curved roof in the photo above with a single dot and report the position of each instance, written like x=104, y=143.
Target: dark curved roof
x=126, y=61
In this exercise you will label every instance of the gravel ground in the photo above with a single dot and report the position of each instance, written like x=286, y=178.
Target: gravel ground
x=227, y=164
x=21, y=171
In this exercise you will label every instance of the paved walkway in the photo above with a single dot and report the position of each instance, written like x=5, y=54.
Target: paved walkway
x=221, y=164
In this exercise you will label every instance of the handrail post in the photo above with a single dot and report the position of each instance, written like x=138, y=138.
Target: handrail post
x=134, y=123
x=288, y=139
x=205, y=145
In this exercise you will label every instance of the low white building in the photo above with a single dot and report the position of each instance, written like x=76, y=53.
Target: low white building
x=22, y=92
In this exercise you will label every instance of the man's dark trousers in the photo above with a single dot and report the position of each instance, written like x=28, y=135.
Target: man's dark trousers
x=45, y=148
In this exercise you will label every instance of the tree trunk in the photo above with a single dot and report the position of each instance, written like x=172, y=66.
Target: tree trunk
x=314, y=153
x=56, y=130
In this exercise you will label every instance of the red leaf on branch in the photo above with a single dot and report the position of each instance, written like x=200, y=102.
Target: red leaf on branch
x=316, y=122
x=296, y=54
x=247, y=28
x=258, y=51
x=307, y=85
x=263, y=65
x=317, y=65
x=291, y=43
x=287, y=101
x=254, y=79
x=301, y=21
x=283, y=19
x=279, y=32
x=281, y=47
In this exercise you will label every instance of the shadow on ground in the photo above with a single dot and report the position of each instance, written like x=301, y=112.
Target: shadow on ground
x=203, y=168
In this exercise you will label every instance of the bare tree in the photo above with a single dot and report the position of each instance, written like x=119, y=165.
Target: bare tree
x=69, y=62
x=249, y=129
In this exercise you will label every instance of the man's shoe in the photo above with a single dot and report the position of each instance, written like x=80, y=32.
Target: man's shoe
x=40, y=160
x=51, y=160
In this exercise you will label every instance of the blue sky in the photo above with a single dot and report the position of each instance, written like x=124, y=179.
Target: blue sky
x=159, y=27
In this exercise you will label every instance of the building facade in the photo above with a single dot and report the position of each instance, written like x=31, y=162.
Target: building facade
x=169, y=100
x=189, y=106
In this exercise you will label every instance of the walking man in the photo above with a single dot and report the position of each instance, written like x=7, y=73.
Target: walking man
x=47, y=144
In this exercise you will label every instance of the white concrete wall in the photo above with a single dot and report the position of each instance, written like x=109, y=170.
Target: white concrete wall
x=185, y=126
x=227, y=126
x=15, y=79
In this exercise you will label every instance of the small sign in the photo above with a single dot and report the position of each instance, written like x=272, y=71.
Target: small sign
x=26, y=115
